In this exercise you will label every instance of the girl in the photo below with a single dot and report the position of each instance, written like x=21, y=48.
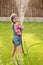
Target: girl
x=17, y=33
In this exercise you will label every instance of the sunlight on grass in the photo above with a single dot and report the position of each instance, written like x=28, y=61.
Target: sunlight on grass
x=34, y=42
x=31, y=38
x=1, y=44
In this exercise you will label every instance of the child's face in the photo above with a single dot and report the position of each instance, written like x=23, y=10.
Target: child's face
x=15, y=20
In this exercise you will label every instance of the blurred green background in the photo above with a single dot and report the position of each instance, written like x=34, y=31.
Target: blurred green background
x=33, y=37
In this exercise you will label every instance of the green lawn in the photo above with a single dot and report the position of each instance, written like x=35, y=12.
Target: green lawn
x=33, y=37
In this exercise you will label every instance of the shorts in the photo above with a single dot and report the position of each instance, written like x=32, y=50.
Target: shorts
x=17, y=40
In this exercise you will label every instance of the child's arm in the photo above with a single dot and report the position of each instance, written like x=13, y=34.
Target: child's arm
x=17, y=30
x=18, y=27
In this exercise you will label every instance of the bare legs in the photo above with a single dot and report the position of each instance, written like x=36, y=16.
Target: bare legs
x=19, y=48
x=19, y=56
x=13, y=50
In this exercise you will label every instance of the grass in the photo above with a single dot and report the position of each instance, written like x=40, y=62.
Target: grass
x=33, y=37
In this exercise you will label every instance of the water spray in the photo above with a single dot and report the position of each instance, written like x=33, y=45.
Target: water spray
x=21, y=7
